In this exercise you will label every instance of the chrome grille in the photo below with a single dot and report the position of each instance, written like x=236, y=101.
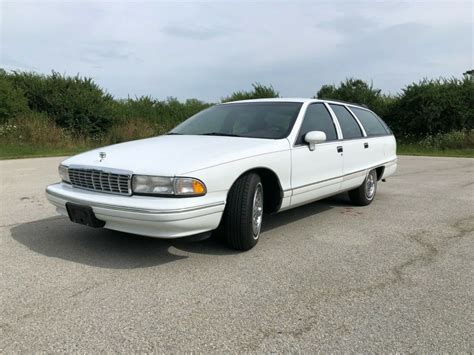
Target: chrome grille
x=108, y=181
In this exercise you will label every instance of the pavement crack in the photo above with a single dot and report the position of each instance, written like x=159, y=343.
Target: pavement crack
x=398, y=274
x=463, y=227
x=427, y=256
x=87, y=289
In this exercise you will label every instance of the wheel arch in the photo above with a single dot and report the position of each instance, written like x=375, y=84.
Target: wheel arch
x=379, y=170
x=271, y=182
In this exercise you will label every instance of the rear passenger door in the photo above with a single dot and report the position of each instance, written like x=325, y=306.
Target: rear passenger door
x=355, y=151
x=377, y=132
x=316, y=173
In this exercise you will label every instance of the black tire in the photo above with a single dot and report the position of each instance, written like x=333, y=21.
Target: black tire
x=237, y=227
x=364, y=195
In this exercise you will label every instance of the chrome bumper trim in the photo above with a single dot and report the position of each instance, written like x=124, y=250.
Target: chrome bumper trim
x=132, y=209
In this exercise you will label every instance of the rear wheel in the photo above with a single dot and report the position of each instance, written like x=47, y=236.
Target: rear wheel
x=243, y=215
x=365, y=193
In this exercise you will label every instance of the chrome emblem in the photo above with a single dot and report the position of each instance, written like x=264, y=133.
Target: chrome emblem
x=102, y=155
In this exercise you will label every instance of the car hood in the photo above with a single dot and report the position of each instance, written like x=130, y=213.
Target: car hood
x=172, y=155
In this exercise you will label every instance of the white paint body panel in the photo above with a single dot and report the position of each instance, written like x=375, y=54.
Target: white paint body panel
x=303, y=175
x=316, y=174
x=356, y=160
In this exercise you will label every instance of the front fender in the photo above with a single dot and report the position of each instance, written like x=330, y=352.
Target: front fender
x=219, y=179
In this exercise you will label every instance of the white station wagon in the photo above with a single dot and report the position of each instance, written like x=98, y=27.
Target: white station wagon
x=221, y=169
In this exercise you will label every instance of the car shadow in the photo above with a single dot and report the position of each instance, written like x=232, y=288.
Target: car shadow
x=302, y=212
x=59, y=238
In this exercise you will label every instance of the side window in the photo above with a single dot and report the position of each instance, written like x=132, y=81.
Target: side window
x=349, y=126
x=372, y=124
x=317, y=118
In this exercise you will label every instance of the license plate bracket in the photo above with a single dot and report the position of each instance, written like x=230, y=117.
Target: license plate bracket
x=83, y=215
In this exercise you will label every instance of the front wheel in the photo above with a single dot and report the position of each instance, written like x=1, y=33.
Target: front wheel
x=365, y=193
x=243, y=215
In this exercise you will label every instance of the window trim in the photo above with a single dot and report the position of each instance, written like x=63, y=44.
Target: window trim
x=334, y=123
x=362, y=130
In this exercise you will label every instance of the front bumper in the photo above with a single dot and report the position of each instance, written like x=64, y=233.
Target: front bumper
x=150, y=216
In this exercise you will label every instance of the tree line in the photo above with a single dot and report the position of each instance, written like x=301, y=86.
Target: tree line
x=81, y=107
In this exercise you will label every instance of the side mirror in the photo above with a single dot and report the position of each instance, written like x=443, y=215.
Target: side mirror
x=314, y=137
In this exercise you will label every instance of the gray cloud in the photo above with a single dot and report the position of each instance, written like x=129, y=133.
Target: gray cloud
x=194, y=32
x=349, y=24
x=208, y=50
x=99, y=51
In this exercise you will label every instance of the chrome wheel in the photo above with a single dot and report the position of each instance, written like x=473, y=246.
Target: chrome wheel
x=370, y=186
x=257, y=211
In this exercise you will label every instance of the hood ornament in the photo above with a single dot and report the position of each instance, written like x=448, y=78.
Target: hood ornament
x=102, y=156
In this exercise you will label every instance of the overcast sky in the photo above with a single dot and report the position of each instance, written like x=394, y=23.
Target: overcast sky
x=208, y=50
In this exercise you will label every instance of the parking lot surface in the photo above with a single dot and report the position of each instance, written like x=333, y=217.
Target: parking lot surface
x=394, y=276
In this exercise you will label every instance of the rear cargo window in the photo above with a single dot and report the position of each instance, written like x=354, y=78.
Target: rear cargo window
x=372, y=124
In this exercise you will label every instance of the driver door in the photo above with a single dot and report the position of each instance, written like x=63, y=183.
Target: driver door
x=318, y=173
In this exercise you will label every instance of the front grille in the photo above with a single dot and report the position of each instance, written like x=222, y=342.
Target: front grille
x=100, y=180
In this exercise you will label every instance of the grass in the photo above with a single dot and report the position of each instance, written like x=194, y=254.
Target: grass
x=34, y=135
x=412, y=149
x=10, y=151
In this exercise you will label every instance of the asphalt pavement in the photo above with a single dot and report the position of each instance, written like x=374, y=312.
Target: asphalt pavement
x=394, y=276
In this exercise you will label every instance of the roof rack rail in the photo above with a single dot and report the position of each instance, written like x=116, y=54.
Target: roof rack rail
x=347, y=102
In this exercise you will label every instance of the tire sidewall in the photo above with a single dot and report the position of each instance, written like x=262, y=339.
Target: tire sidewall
x=374, y=176
x=254, y=188
x=237, y=225
x=254, y=182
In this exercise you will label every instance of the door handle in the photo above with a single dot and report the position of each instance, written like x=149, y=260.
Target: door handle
x=339, y=149
x=366, y=145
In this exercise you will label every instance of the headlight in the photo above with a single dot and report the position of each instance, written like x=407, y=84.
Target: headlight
x=64, y=173
x=159, y=185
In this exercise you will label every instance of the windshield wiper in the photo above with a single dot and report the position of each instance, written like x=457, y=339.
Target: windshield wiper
x=173, y=133
x=219, y=134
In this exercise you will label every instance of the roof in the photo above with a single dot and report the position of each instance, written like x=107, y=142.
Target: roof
x=274, y=99
x=297, y=99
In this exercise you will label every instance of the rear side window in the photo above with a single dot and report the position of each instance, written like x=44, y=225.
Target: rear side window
x=372, y=124
x=317, y=118
x=349, y=126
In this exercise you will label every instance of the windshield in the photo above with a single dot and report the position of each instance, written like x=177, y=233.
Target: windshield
x=270, y=120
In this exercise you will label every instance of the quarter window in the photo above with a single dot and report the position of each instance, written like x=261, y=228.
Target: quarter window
x=372, y=124
x=349, y=126
x=317, y=118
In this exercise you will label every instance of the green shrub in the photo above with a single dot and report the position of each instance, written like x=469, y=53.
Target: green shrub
x=12, y=99
x=75, y=103
x=359, y=92
x=259, y=92
x=434, y=106
x=130, y=129
x=171, y=112
x=166, y=113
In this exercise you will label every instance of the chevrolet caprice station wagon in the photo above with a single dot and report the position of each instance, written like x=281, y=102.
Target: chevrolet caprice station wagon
x=223, y=168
